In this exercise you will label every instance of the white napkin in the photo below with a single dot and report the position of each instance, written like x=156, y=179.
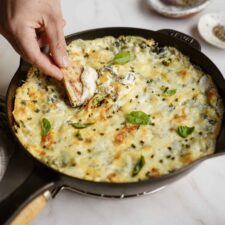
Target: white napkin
x=6, y=148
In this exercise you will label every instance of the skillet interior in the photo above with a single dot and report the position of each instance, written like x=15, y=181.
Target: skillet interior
x=114, y=189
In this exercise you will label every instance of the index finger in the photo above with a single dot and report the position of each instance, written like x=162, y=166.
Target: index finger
x=33, y=54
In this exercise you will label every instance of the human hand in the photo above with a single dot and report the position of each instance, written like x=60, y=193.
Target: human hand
x=29, y=25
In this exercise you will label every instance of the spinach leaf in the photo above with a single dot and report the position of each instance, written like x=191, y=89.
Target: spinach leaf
x=169, y=92
x=81, y=125
x=185, y=131
x=98, y=99
x=138, y=166
x=138, y=117
x=45, y=127
x=121, y=58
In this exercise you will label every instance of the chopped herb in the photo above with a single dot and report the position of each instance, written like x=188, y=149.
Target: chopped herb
x=121, y=58
x=185, y=131
x=142, y=142
x=22, y=123
x=138, y=166
x=81, y=125
x=117, y=43
x=148, y=174
x=169, y=92
x=133, y=146
x=212, y=122
x=143, y=45
x=98, y=99
x=161, y=161
x=23, y=102
x=166, y=62
x=132, y=69
x=78, y=136
x=149, y=81
x=138, y=117
x=45, y=127
x=157, y=49
x=78, y=152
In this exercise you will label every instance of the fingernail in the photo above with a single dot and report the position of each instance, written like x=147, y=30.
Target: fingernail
x=65, y=61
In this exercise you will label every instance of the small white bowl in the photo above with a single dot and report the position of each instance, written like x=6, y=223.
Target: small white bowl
x=206, y=25
x=174, y=11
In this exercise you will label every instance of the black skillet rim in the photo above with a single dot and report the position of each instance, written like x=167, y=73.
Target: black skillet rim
x=115, y=31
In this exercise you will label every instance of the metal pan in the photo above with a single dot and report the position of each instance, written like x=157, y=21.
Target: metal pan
x=42, y=178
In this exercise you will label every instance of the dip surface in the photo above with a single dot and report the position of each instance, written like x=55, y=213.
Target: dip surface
x=152, y=112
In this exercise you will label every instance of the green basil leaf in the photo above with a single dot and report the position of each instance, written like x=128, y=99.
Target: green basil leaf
x=185, y=131
x=81, y=125
x=138, y=166
x=98, y=99
x=169, y=92
x=121, y=58
x=138, y=117
x=45, y=127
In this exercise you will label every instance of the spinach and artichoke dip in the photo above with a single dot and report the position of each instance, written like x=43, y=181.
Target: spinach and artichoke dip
x=146, y=111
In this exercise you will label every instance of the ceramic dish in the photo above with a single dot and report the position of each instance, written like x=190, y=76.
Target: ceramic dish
x=176, y=11
x=206, y=25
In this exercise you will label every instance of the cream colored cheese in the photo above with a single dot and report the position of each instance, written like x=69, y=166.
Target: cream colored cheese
x=88, y=80
x=110, y=147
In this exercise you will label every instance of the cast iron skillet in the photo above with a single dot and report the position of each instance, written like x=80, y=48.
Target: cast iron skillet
x=44, y=178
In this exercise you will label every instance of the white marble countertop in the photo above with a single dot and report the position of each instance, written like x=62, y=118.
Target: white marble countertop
x=196, y=199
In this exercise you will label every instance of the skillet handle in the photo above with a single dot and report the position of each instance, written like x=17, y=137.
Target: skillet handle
x=183, y=37
x=31, y=210
x=32, y=189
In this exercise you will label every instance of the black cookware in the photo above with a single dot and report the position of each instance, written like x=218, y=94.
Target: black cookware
x=40, y=178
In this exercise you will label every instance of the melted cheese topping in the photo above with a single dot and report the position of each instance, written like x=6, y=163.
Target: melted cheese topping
x=88, y=80
x=158, y=81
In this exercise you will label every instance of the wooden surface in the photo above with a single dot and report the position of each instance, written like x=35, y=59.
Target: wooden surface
x=30, y=211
